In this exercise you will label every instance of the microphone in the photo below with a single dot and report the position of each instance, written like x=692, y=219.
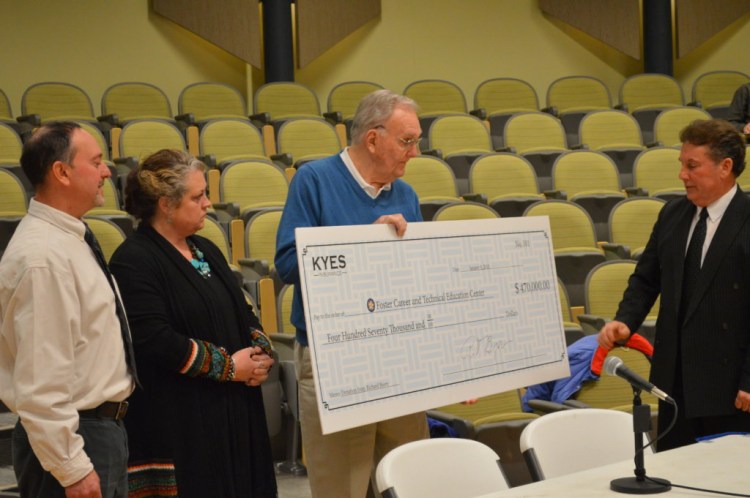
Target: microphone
x=614, y=366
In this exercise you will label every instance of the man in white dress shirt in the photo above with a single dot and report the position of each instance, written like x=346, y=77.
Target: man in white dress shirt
x=63, y=367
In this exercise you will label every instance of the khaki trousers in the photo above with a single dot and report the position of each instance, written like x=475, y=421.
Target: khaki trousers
x=340, y=465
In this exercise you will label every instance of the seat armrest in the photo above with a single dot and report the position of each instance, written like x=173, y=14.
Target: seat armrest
x=334, y=117
x=34, y=120
x=636, y=192
x=261, y=117
x=551, y=110
x=622, y=107
x=506, y=149
x=231, y=208
x=574, y=403
x=480, y=112
x=695, y=103
x=284, y=160
x=475, y=197
x=209, y=160
x=555, y=194
x=591, y=324
x=255, y=267
x=131, y=162
x=544, y=406
x=188, y=118
x=615, y=251
x=433, y=152
x=111, y=119
x=579, y=147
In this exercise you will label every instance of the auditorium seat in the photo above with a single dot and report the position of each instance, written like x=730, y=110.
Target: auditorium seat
x=656, y=173
x=572, y=97
x=630, y=224
x=465, y=211
x=615, y=133
x=222, y=141
x=47, y=101
x=253, y=186
x=589, y=179
x=143, y=137
x=670, y=122
x=646, y=95
x=210, y=100
x=301, y=140
x=433, y=181
x=540, y=138
x=260, y=249
x=435, y=98
x=344, y=99
x=507, y=180
x=109, y=235
x=500, y=98
x=127, y=101
x=573, y=243
x=714, y=90
x=459, y=140
x=605, y=285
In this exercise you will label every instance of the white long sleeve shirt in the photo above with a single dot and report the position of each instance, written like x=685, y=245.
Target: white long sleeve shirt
x=61, y=348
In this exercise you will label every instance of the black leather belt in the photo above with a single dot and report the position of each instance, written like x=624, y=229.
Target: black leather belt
x=114, y=410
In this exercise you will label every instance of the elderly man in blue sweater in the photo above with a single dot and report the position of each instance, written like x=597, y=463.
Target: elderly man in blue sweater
x=358, y=186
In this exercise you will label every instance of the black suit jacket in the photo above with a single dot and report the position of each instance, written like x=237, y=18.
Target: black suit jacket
x=713, y=338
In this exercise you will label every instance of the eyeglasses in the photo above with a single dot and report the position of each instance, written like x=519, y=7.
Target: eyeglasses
x=406, y=143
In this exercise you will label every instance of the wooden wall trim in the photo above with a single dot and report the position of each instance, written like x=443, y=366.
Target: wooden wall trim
x=699, y=20
x=232, y=25
x=323, y=23
x=614, y=22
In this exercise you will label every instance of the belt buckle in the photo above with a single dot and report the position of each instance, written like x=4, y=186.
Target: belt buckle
x=122, y=409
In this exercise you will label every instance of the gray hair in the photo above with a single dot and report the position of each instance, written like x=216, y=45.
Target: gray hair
x=162, y=174
x=374, y=109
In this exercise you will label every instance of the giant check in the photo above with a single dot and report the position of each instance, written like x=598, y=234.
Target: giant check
x=452, y=311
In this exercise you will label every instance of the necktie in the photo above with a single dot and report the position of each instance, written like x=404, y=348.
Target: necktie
x=693, y=258
x=124, y=328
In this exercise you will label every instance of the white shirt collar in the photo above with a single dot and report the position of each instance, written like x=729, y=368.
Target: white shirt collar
x=717, y=209
x=369, y=189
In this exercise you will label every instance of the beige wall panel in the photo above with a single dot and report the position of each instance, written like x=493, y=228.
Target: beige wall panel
x=323, y=23
x=233, y=25
x=615, y=22
x=95, y=43
x=465, y=42
x=699, y=20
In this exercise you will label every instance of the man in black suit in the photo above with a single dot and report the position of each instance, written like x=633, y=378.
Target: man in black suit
x=701, y=351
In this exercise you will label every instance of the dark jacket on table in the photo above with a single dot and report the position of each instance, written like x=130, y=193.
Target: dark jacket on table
x=714, y=337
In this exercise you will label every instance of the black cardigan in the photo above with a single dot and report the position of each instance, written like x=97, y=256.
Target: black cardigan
x=215, y=433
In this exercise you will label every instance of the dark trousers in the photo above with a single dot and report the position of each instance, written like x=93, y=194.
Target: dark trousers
x=105, y=443
x=687, y=430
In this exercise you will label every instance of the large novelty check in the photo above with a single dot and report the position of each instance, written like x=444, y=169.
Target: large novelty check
x=454, y=310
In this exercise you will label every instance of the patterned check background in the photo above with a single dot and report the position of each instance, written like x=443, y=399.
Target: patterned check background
x=452, y=311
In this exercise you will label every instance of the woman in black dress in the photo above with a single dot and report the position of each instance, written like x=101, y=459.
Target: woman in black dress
x=197, y=428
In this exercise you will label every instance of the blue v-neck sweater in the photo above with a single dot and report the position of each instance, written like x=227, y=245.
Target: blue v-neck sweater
x=324, y=193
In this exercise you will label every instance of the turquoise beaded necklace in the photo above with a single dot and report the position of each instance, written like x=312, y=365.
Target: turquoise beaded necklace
x=198, y=262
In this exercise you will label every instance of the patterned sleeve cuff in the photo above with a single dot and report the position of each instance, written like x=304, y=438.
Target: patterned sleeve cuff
x=208, y=360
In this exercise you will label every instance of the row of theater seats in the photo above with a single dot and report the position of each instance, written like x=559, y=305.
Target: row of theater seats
x=224, y=133
x=505, y=182
x=568, y=98
x=200, y=102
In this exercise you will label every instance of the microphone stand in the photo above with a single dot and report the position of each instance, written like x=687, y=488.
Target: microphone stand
x=639, y=485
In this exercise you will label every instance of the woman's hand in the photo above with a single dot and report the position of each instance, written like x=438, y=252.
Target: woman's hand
x=251, y=366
